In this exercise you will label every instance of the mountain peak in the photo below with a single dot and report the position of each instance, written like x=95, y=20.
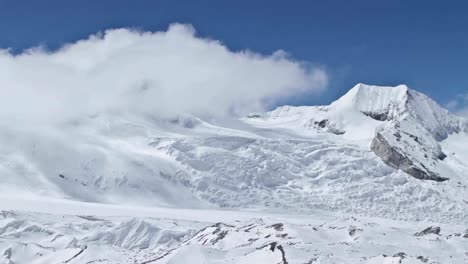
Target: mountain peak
x=379, y=102
x=403, y=127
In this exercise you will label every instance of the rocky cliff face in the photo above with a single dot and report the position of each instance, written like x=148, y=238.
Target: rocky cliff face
x=410, y=139
x=411, y=127
x=394, y=157
x=402, y=126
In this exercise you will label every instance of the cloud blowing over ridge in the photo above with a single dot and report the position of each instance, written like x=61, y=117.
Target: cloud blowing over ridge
x=162, y=73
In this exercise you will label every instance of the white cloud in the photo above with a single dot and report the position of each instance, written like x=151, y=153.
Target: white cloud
x=459, y=105
x=163, y=73
x=463, y=112
x=452, y=105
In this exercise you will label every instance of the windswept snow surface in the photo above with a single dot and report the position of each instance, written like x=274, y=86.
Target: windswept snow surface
x=242, y=237
x=292, y=160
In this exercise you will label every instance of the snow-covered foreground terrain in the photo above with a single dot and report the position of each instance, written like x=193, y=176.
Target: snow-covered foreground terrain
x=120, y=188
x=117, y=234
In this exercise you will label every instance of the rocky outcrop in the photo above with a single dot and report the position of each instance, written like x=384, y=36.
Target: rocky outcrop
x=430, y=230
x=392, y=156
x=380, y=116
x=406, y=127
x=325, y=126
x=413, y=126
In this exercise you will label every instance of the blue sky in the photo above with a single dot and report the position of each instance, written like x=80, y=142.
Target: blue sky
x=421, y=43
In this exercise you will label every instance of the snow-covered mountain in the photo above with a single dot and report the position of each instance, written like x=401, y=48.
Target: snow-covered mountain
x=386, y=152
x=406, y=132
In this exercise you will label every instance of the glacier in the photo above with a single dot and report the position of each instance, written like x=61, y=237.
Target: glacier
x=377, y=160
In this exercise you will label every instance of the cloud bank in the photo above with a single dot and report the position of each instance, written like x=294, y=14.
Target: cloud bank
x=160, y=73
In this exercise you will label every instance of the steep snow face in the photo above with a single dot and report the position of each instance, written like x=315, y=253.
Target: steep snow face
x=435, y=119
x=380, y=103
x=457, y=156
x=396, y=103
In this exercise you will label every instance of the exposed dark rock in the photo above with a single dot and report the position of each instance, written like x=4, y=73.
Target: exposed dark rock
x=253, y=116
x=248, y=229
x=330, y=127
x=283, y=254
x=336, y=131
x=423, y=259
x=220, y=233
x=201, y=234
x=400, y=255
x=77, y=254
x=353, y=230
x=441, y=156
x=220, y=236
x=377, y=116
x=430, y=230
x=414, y=137
x=277, y=226
x=322, y=123
x=273, y=246
x=388, y=154
x=393, y=157
x=454, y=235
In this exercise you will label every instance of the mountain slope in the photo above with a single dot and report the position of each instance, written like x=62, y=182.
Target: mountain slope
x=293, y=158
x=310, y=184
